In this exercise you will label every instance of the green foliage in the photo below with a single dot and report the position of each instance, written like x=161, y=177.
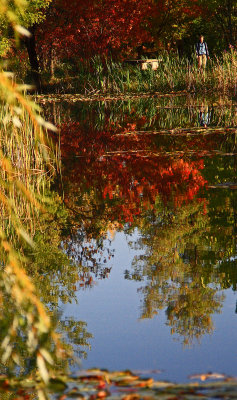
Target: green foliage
x=23, y=12
x=24, y=155
x=173, y=74
x=5, y=45
x=15, y=17
x=35, y=12
x=27, y=163
x=219, y=23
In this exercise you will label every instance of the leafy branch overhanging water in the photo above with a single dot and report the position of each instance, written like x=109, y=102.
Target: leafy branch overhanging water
x=27, y=164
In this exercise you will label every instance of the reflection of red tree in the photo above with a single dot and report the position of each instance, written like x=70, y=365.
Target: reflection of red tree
x=125, y=171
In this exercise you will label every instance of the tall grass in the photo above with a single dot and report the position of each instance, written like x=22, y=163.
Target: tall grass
x=28, y=339
x=173, y=74
x=24, y=151
x=225, y=73
x=27, y=164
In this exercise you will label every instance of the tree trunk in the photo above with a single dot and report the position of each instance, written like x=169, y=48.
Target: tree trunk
x=52, y=62
x=35, y=71
x=230, y=27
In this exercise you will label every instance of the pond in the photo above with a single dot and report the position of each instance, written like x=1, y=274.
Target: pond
x=150, y=187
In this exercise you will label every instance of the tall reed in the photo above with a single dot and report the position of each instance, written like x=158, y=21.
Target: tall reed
x=173, y=74
x=26, y=163
x=27, y=335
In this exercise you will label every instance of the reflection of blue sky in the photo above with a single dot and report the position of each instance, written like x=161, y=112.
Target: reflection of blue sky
x=112, y=310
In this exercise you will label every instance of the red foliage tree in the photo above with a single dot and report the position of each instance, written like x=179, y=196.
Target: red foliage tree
x=91, y=27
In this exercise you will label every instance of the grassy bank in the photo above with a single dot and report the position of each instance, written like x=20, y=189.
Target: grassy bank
x=173, y=74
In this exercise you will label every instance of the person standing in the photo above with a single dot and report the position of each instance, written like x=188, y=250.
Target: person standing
x=202, y=52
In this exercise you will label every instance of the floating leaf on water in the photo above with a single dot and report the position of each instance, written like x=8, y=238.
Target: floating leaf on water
x=146, y=372
x=133, y=396
x=211, y=375
x=72, y=394
x=161, y=384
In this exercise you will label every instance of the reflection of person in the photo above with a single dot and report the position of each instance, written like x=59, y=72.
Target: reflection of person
x=204, y=115
x=202, y=52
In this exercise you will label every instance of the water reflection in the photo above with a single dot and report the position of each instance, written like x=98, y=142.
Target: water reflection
x=124, y=168
x=204, y=115
x=148, y=167
x=177, y=271
x=167, y=112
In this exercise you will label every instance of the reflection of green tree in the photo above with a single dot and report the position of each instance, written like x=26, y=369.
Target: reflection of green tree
x=189, y=312
x=191, y=251
x=56, y=279
x=175, y=272
x=221, y=173
x=56, y=276
x=77, y=335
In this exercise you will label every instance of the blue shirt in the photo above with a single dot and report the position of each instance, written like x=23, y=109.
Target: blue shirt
x=201, y=48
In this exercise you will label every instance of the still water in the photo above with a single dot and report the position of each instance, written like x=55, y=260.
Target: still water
x=150, y=186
